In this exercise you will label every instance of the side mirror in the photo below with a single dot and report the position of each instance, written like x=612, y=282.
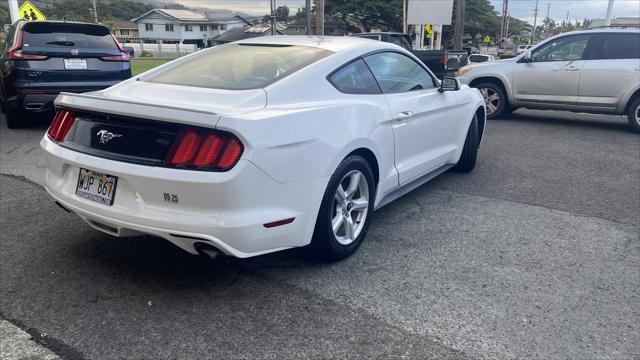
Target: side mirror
x=449, y=84
x=526, y=57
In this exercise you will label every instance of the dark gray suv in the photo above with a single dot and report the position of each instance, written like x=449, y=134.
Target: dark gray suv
x=43, y=58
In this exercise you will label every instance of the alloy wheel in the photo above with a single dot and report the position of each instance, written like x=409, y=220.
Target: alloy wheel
x=491, y=99
x=350, y=207
x=637, y=115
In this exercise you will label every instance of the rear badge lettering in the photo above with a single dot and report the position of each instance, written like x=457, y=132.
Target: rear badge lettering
x=171, y=198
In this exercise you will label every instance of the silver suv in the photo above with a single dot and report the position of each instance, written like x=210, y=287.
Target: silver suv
x=596, y=71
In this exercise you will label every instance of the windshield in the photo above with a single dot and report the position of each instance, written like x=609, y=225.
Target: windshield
x=43, y=34
x=239, y=66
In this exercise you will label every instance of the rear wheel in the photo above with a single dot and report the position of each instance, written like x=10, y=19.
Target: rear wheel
x=494, y=98
x=469, y=155
x=345, y=213
x=13, y=117
x=634, y=114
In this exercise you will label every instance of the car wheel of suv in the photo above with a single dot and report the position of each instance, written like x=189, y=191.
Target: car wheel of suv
x=13, y=118
x=470, y=150
x=494, y=98
x=634, y=114
x=345, y=212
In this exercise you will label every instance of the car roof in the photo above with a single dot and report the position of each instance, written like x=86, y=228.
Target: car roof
x=331, y=43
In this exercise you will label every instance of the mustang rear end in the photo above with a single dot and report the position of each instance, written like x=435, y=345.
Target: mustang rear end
x=186, y=182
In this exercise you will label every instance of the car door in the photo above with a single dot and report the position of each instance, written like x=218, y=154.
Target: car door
x=611, y=69
x=553, y=74
x=424, y=118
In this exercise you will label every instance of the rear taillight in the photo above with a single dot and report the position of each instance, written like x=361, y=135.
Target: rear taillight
x=60, y=126
x=124, y=55
x=15, y=52
x=204, y=150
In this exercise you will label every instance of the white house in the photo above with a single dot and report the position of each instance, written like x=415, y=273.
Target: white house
x=185, y=26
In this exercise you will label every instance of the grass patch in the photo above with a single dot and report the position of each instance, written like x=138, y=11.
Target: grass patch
x=141, y=65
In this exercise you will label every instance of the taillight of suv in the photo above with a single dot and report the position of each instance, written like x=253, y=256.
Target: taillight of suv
x=124, y=55
x=15, y=52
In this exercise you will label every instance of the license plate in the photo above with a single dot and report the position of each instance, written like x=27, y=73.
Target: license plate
x=75, y=64
x=97, y=187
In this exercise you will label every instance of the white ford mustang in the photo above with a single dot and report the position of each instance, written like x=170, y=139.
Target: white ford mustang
x=261, y=145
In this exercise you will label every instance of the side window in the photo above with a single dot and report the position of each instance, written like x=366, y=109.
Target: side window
x=562, y=49
x=398, y=73
x=615, y=46
x=355, y=78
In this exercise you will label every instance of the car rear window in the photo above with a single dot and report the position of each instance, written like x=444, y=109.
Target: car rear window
x=43, y=34
x=478, y=58
x=239, y=66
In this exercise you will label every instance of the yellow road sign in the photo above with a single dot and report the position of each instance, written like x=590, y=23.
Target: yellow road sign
x=428, y=30
x=28, y=11
x=487, y=39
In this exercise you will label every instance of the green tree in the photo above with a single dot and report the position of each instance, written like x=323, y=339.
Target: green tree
x=365, y=15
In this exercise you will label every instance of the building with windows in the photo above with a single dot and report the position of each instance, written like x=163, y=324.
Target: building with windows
x=125, y=31
x=185, y=26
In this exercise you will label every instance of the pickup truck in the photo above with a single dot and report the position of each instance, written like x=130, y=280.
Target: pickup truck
x=440, y=62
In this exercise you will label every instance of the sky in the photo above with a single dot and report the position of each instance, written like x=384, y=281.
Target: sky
x=522, y=9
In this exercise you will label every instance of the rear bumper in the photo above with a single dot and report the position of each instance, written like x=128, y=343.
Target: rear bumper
x=35, y=97
x=226, y=210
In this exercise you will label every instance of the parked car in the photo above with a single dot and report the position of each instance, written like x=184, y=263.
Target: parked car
x=522, y=48
x=42, y=58
x=441, y=62
x=230, y=150
x=596, y=71
x=480, y=58
x=471, y=50
x=507, y=51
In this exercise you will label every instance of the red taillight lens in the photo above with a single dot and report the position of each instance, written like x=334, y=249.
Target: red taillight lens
x=18, y=55
x=122, y=57
x=184, y=148
x=60, y=126
x=15, y=52
x=231, y=153
x=204, y=150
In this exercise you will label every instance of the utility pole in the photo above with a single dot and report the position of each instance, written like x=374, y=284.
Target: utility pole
x=548, y=8
x=274, y=21
x=503, y=25
x=95, y=12
x=535, y=19
x=459, y=29
x=567, y=19
x=308, y=11
x=609, y=13
x=13, y=10
x=320, y=17
x=405, y=26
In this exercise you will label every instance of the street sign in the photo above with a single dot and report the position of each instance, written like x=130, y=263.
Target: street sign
x=429, y=12
x=487, y=39
x=428, y=30
x=28, y=11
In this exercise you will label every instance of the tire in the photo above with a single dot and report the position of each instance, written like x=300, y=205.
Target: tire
x=469, y=154
x=13, y=117
x=634, y=114
x=499, y=105
x=328, y=244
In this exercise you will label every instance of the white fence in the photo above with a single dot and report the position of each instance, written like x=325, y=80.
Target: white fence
x=161, y=50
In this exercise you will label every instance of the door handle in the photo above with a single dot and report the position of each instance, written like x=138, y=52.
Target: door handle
x=572, y=68
x=404, y=115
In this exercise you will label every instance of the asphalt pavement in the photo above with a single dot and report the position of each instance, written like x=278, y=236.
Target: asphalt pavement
x=535, y=254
